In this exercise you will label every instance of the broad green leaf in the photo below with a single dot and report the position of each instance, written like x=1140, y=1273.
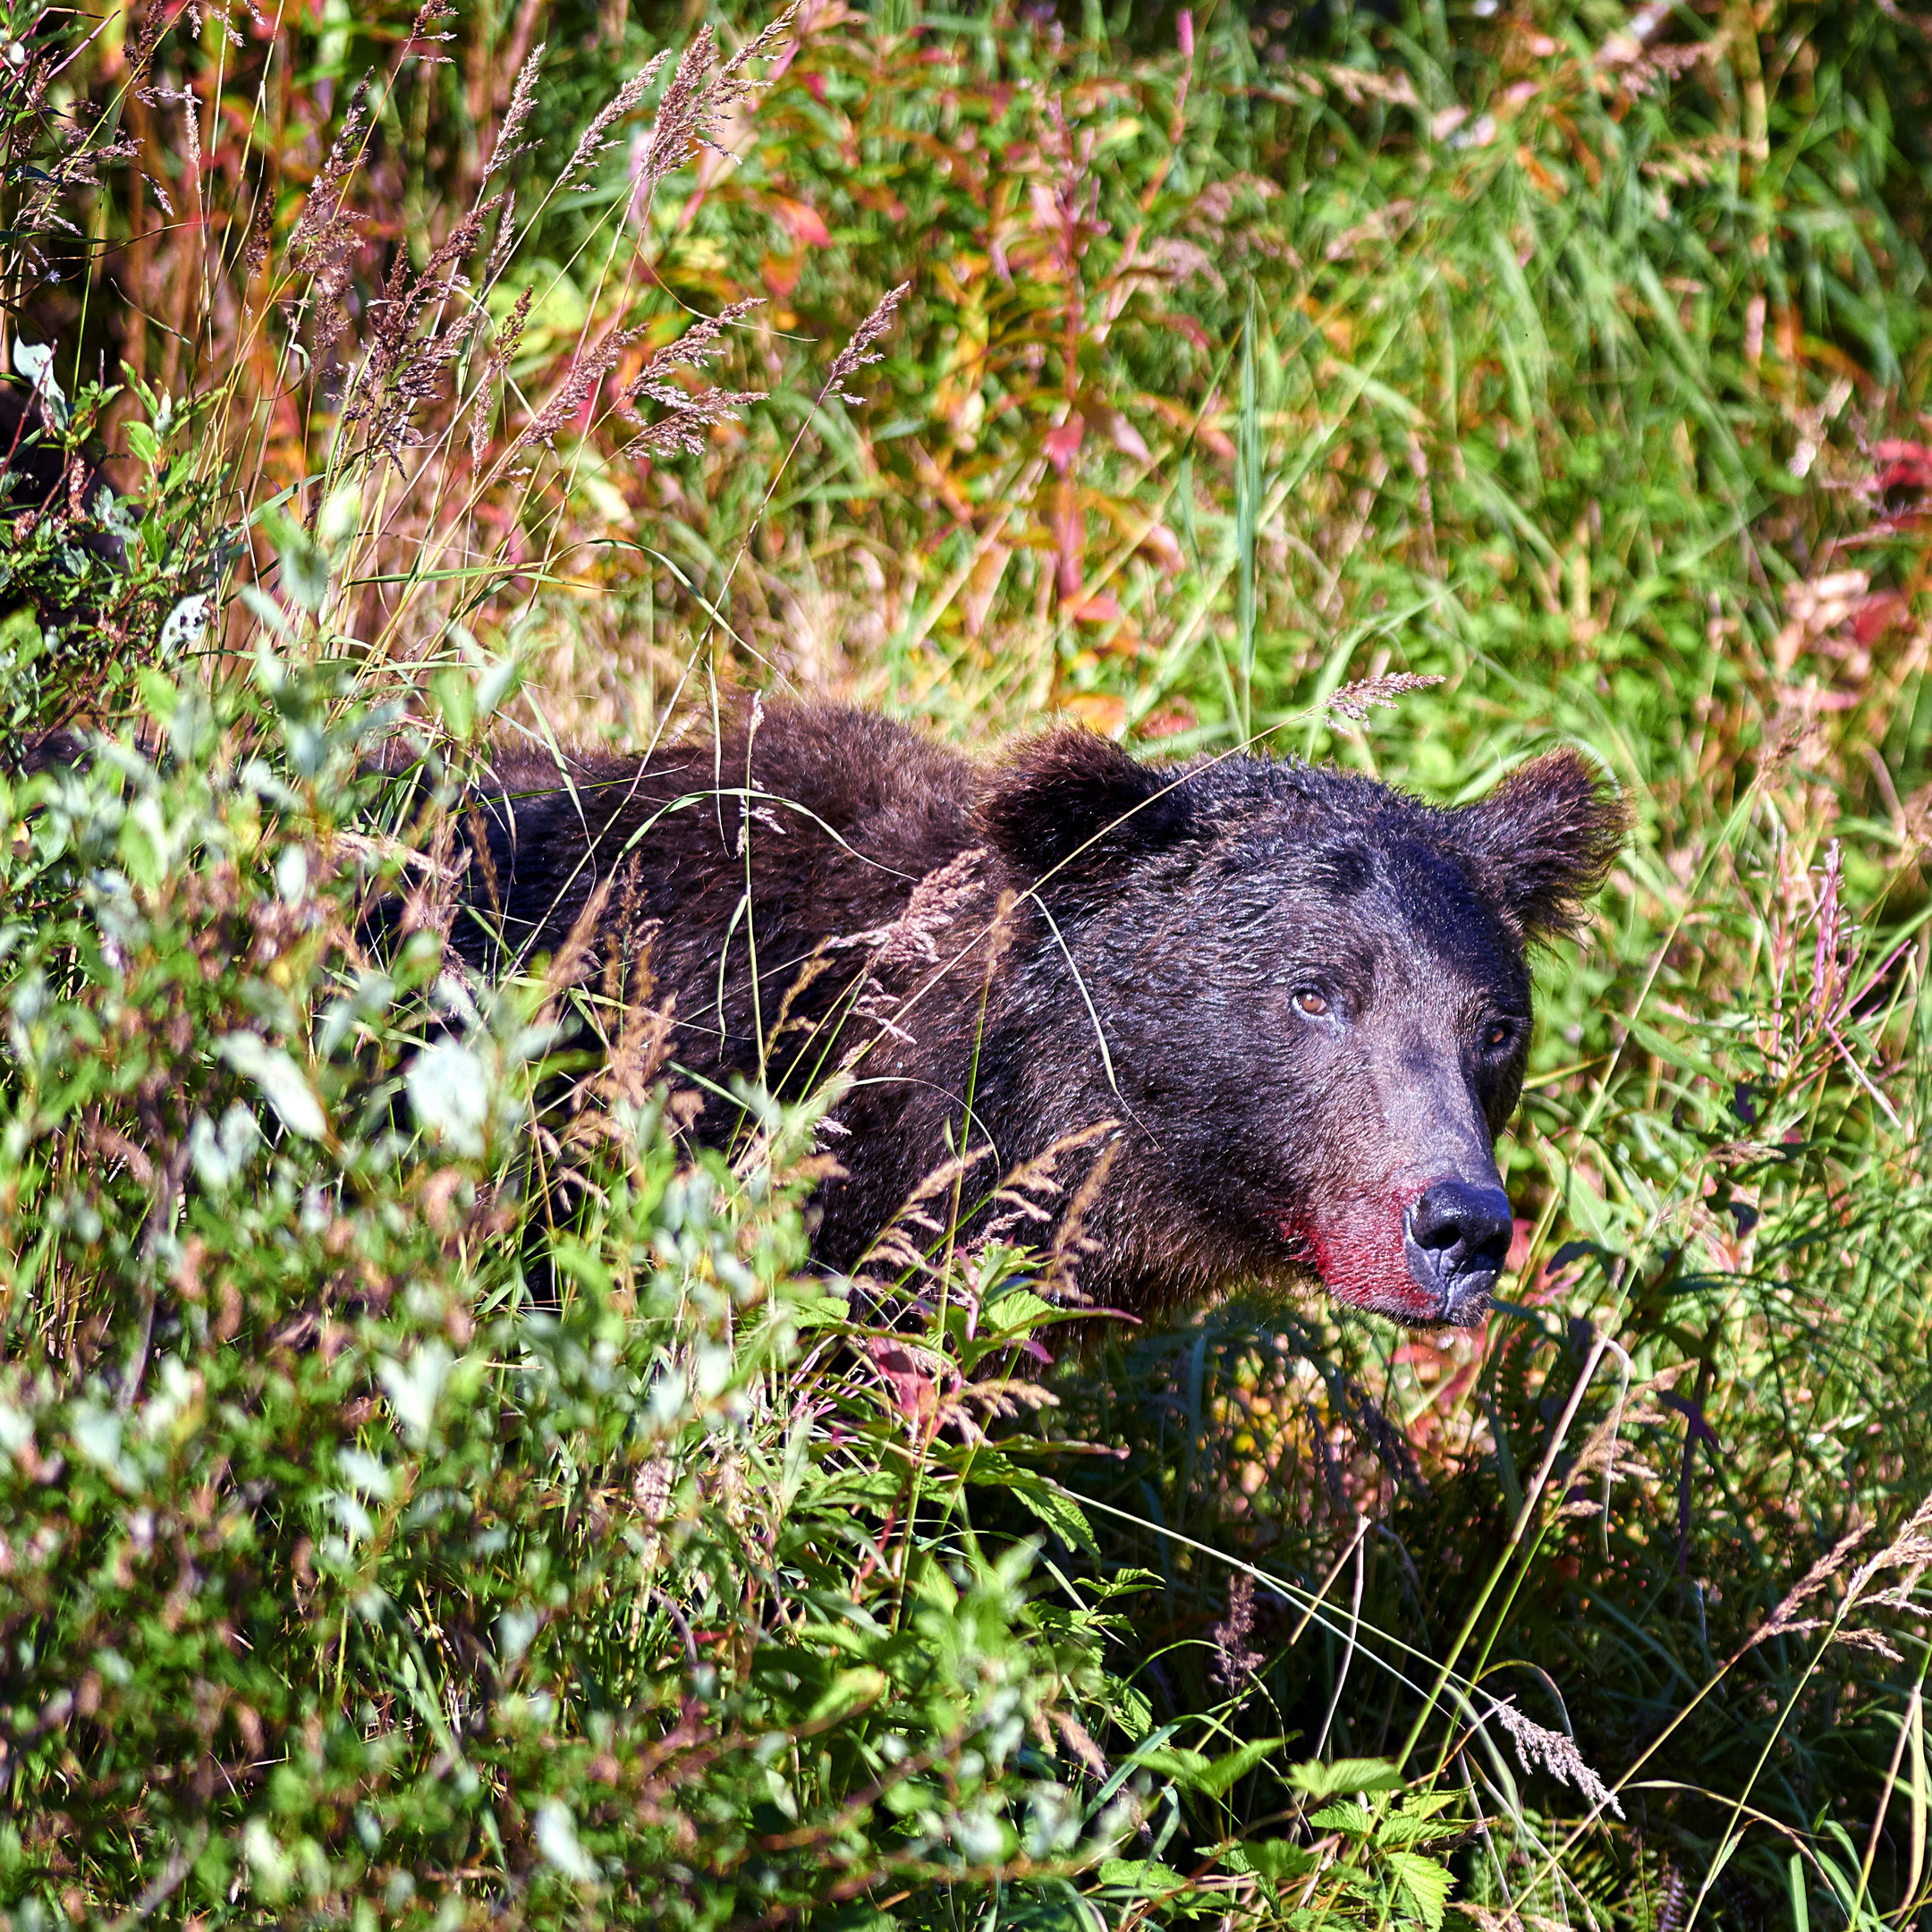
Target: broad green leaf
x=1148, y=1876
x=1422, y=1886
x=283, y=1083
x=1222, y=1774
x=1276, y=1859
x=415, y=1387
x=305, y=564
x=1356, y=1819
x=1059, y=1512
x=449, y=1094
x=455, y=697
x=1184, y=1768
x=35, y=361
x=555, y=1831
x=1320, y=1780
x=850, y=1690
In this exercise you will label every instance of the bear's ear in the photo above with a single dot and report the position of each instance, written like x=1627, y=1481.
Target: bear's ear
x=1075, y=806
x=1548, y=835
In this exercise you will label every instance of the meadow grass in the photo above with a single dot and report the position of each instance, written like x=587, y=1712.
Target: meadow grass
x=431, y=1493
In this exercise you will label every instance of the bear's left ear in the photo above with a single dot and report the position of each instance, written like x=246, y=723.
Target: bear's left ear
x=1074, y=805
x=1548, y=835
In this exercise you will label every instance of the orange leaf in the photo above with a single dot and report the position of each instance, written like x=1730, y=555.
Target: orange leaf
x=1102, y=608
x=806, y=225
x=1098, y=710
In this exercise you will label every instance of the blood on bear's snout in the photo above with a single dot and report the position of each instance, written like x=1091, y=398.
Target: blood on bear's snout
x=1429, y=1256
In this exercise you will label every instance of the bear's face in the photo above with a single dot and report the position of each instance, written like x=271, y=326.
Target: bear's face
x=1316, y=997
x=1386, y=1005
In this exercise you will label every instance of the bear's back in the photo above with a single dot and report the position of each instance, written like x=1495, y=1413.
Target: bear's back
x=797, y=827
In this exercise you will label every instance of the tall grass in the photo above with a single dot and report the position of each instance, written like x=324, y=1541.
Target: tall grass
x=430, y=1491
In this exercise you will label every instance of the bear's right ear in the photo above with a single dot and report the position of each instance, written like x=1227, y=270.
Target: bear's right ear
x=1548, y=835
x=1074, y=805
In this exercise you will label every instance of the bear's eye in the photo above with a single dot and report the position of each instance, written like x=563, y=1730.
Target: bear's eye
x=1309, y=1001
x=1497, y=1034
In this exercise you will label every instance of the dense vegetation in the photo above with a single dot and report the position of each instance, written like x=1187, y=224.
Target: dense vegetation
x=430, y=1492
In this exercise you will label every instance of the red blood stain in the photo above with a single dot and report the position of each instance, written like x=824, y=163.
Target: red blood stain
x=1357, y=1248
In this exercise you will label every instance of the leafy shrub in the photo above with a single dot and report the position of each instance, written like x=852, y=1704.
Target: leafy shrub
x=408, y=1502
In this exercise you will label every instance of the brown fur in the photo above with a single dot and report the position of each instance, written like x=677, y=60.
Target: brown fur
x=940, y=929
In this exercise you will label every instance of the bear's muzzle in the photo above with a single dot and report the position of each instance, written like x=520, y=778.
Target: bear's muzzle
x=1457, y=1239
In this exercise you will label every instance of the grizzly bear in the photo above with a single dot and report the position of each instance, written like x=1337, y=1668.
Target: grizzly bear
x=1298, y=997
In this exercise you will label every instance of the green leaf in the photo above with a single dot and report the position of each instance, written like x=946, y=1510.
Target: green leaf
x=1222, y=1774
x=341, y=516
x=1276, y=1859
x=415, y=1387
x=449, y=1094
x=280, y=1080
x=1358, y=1820
x=20, y=638
x=850, y=1690
x=35, y=361
x=1059, y=1512
x=1422, y=1886
x=555, y=1831
x=455, y=697
x=305, y=564
x=1147, y=1876
x=1320, y=1780
x=1184, y=1768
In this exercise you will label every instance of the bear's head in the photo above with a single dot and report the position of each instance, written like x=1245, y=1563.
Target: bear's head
x=1315, y=997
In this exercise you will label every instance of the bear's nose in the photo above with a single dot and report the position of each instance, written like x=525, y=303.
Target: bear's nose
x=1456, y=1237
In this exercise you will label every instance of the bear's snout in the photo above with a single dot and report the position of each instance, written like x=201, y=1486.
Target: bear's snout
x=1456, y=1239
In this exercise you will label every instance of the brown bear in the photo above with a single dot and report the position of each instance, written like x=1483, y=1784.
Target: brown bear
x=1299, y=995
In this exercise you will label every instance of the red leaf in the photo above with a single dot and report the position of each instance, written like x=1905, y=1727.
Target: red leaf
x=1163, y=546
x=1906, y=466
x=1062, y=444
x=1878, y=615
x=1187, y=326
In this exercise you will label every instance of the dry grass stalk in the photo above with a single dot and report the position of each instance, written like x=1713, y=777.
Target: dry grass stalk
x=523, y=103
x=576, y=176
x=325, y=236
x=1070, y=1239
x=1003, y=1401
x=895, y=1248
x=402, y=371
x=935, y=904
x=573, y=959
x=1555, y=1752
x=567, y=401
x=1038, y=1177
x=1236, y=1660
x=1354, y=701
x=422, y=40
x=1784, y=1621
x=861, y=351
x=689, y=417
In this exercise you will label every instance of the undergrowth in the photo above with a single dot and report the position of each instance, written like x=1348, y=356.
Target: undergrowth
x=433, y=1492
